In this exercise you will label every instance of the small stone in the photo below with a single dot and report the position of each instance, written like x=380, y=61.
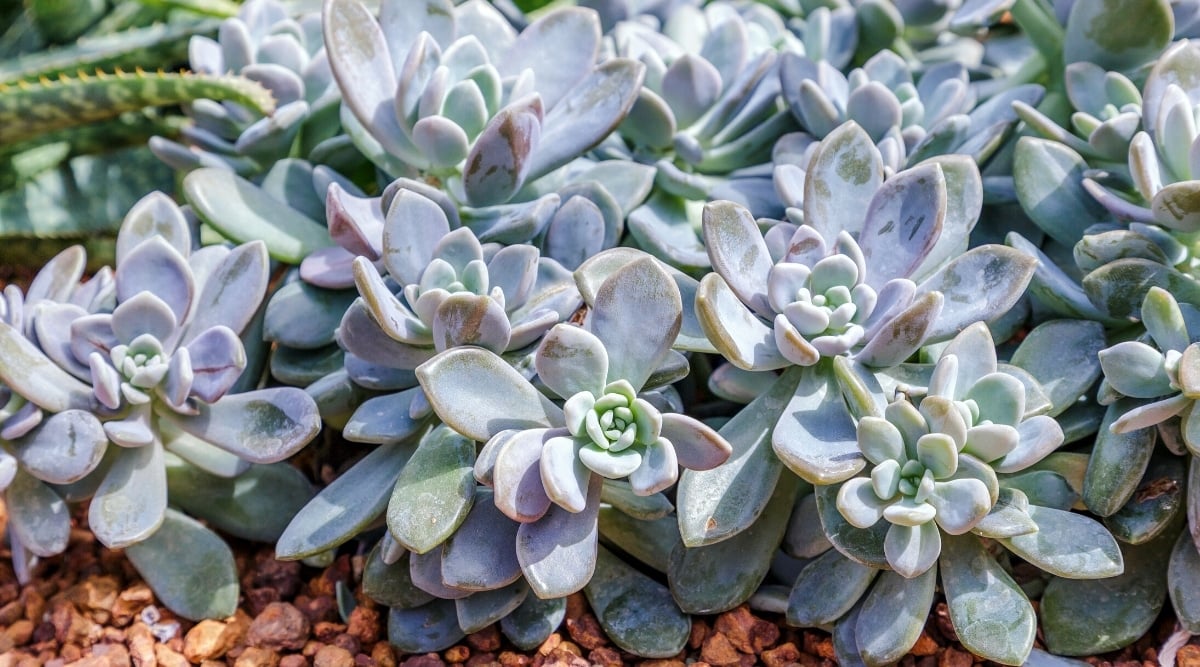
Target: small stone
x=605, y=656
x=561, y=657
x=427, y=660
x=482, y=660
x=206, y=640
x=666, y=663
x=325, y=631
x=782, y=655
x=925, y=646
x=107, y=655
x=348, y=642
x=333, y=656
x=320, y=608
x=586, y=631
x=363, y=660
x=364, y=624
x=293, y=660
x=745, y=632
x=955, y=658
x=383, y=654
x=10, y=612
x=95, y=594
x=71, y=627
x=510, y=659
x=699, y=632
x=212, y=663
x=168, y=657
x=279, y=626
x=130, y=603
x=487, y=639
x=1188, y=656
x=141, y=645
x=547, y=646
x=34, y=603
x=20, y=632
x=254, y=656
x=718, y=650
x=457, y=653
x=576, y=605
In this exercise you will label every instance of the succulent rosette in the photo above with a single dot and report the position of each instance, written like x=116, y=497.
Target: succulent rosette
x=151, y=368
x=544, y=463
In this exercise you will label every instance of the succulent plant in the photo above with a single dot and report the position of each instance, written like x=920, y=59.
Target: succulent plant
x=153, y=366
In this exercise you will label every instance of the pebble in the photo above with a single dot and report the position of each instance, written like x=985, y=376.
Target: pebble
x=605, y=656
x=141, y=642
x=427, y=660
x=487, y=639
x=952, y=657
x=925, y=646
x=168, y=657
x=293, y=660
x=255, y=656
x=784, y=654
x=457, y=653
x=586, y=631
x=279, y=626
x=333, y=656
x=1188, y=656
x=207, y=640
x=718, y=650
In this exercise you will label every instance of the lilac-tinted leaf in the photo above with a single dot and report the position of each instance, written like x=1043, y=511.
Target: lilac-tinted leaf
x=52, y=327
x=513, y=269
x=361, y=336
x=517, y=477
x=690, y=86
x=980, y=285
x=815, y=435
x=156, y=267
x=331, y=268
x=452, y=381
x=575, y=233
x=144, y=313
x=38, y=518
x=904, y=221
x=414, y=226
x=261, y=426
x=153, y=216
x=738, y=253
x=481, y=555
x=658, y=470
x=106, y=381
x=499, y=160
x=570, y=360
x=733, y=328
x=132, y=498
x=217, y=360
x=355, y=223
x=635, y=295
x=35, y=377
x=396, y=320
x=59, y=277
x=697, y=446
x=441, y=140
x=558, y=552
x=470, y=319
x=588, y=114
x=900, y=337
x=572, y=35
x=845, y=172
x=662, y=228
x=233, y=292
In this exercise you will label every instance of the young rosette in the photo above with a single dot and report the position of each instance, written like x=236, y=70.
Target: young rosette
x=546, y=463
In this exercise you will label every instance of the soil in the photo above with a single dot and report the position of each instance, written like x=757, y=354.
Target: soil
x=89, y=608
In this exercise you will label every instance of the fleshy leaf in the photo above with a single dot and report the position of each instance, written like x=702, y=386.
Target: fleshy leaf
x=991, y=614
x=1068, y=545
x=434, y=491
x=558, y=551
x=189, y=567
x=892, y=616
x=130, y=502
x=637, y=613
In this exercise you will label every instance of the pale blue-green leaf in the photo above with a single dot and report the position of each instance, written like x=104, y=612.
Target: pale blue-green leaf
x=649, y=541
x=154, y=215
x=189, y=568
x=1008, y=517
x=912, y=550
x=863, y=545
x=499, y=161
x=1177, y=206
x=805, y=538
x=734, y=329
x=481, y=554
x=1068, y=545
x=1121, y=286
x=1048, y=177
x=982, y=284
x=1062, y=356
x=243, y=212
x=304, y=316
x=738, y=253
x=892, y=616
x=662, y=228
x=129, y=504
x=896, y=339
x=637, y=613
x=718, y=577
x=991, y=615
x=262, y=426
x=430, y=627
x=64, y=448
x=1095, y=33
x=391, y=584
x=1052, y=288
x=1117, y=462
x=575, y=233
x=255, y=505
x=697, y=447
x=1183, y=582
x=484, y=608
x=815, y=435
x=1096, y=250
x=964, y=203
x=558, y=551
x=531, y=623
x=635, y=350
x=413, y=226
x=1159, y=501
x=571, y=359
x=650, y=122
x=1039, y=436
x=434, y=491
x=1136, y=369
x=516, y=474
x=38, y=517
x=468, y=319
x=384, y=419
x=451, y=381
x=827, y=589
x=232, y=293
x=903, y=222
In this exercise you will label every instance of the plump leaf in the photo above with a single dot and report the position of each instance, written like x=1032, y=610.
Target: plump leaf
x=479, y=610
x=63, y=448
x=430, y=627
x=481, y=554
x=637, y=613
x=991, y=614
x=1061, y=354
x=980, y=285
x=893, y=615
x=1068, y=545
x=1048, y=178
x=815, y=435
x=434, y=491
x=1183, y=582
x=189, y=567
x=1095, y=33
x=827, y=589
x=637, y=314
x=262, y=426
x=531, y=623
x=845, y=172
x=558, y=551
x=1120, y=287
x=1117, y=463
x=255, y=505
x=130, y=503
x=38, y=517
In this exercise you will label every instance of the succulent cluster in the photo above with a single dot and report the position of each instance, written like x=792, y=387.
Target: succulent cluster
x=820, y=306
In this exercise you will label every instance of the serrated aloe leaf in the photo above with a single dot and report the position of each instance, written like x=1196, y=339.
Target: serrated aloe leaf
x=481, y=554
x=1061, y=355
x=1095, y=33
x=1183, y=582
x=980, y=285
x=815, y=435
x=39, y=380
x=390, y=584
x=38, y=517
x=1068, y=545
x=1086, y=617
x=511, y=402
x=827, y=589
x=304, y=316
x=637, y=613
x=1157, y=502
x=345, y=507
x=558, y=551
x=189, y=567
x=718, y=577
x=434, y=491
x=1120, y=287
x=650, y=541
x=846, y=171
x=428, y=628
x=892, y=616
x=261, y=426
x=716, y=504
x=531, y=623
x=64, y=448
x=255, y=505
x=130, y=502
x=864, y=545
x=1117, y=463
x=243, y=212
x=1048, y=177
x=479, y=610
x=588, y=114
x=991, y=614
